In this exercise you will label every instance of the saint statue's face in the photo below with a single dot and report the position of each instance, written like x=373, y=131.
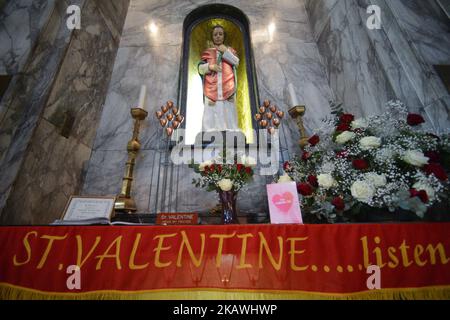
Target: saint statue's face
x=218, y=36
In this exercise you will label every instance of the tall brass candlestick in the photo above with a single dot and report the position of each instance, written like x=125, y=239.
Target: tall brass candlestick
x=297, y=113
x=124, y=201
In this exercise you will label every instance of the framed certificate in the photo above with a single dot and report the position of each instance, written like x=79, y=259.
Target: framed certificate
x=85, y=207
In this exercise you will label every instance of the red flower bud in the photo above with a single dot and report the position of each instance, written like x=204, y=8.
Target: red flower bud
x=248, y=170
x=240, y=167
x=312, y=180
x=338, y=203
x=343, y=127
x=219, y=168
x=287, y=166
x=422, y=194
x=437, y=170
x=304, y=189
x=306, y=156
x=314, y=140
x=434, y=156
x=360, y=164
x=347, y=118
x=415, y=119
x=342, y=154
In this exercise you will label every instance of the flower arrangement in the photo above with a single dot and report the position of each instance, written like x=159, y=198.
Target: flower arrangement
x=226, y=178
x=220, y=175
x=386, y=161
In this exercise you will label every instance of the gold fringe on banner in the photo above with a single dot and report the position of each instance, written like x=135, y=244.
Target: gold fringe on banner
x=11, y=292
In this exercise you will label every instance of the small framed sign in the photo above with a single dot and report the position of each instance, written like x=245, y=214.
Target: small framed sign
x=85, y=207
x=166, y=219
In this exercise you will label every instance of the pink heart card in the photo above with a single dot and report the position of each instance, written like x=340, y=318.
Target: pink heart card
x=284, y=205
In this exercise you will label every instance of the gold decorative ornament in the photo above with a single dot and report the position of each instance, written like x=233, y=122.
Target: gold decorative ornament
x=269, y=116
x=173, y=118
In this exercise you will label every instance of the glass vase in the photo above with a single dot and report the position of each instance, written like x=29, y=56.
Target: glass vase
x=228, y=202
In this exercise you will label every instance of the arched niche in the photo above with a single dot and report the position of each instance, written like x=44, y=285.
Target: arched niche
x=197, y=37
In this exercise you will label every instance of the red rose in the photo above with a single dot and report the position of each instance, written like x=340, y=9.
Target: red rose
x=433, y=156
x=248, y=170
x=287, y=166
x=343, y=127
x=415, y=119
x=437, y=170
x=304, y=189
x=347, y=118
x=212, y=168
x=314, y=140
x=306, y=156
x=219, y=168
x=342, y=154
x=360, y=164
x=422, y=194
x=338, y=203
x=312, y=180
x=240, y=167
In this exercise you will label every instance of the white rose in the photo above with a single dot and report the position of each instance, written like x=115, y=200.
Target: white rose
x=362, y=191
x=416, y=158
x=205, y=164
x=285, y=178
x=369, y=143
x=248, y=161
x=426, y=187
x=344, y=137
x=325, y=181
x=378, y=180
x=225, y=184
x=359, y=124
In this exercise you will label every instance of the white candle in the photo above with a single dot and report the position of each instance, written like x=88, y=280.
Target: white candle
x=292, y=95
x=142, y=97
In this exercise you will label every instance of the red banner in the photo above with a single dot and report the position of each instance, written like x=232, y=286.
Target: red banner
x=274, y=260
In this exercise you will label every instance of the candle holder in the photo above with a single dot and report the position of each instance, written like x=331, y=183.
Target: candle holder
x=124, y=201
x=297, y=113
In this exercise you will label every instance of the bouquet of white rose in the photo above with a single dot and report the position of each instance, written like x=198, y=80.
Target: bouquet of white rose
x=385, y=162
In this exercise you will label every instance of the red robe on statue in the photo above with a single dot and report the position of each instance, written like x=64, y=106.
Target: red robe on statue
x=210, y=80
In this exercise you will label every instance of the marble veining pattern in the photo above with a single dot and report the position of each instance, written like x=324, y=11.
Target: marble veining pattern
x=23, y=109
x=53, y=166
x=20, y=24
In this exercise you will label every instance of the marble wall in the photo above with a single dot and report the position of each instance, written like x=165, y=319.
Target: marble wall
x=154, y=60
x=368, y=67
x=20, y=25
x=26, y=95
x=50, y=166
